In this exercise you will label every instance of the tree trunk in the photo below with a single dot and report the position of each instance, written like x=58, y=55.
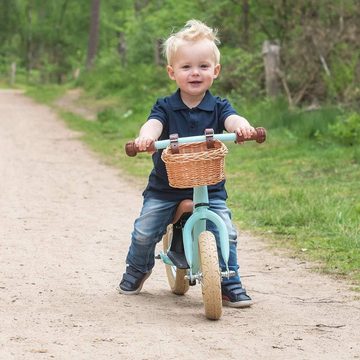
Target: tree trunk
x=58, y=49
x=29, y=55
x=271, y=54
x=245, y=21
x=94, y=33
x=122, y=48
x=157, y=53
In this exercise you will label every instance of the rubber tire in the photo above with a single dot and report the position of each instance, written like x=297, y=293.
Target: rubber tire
x=176, y=277
x=211, y=278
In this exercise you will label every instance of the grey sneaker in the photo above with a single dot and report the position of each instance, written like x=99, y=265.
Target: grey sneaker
x=132, y=281
x=234, y=295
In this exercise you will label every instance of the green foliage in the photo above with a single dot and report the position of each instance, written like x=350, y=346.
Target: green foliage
x=109, y=78
x=347, y=129
x=343, y=82
x=295, y=123
x=46, y=94
x=46, y=37
x=241, y=73
x=318, y=39
x=129, y=100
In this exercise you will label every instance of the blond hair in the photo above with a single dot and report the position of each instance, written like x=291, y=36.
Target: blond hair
x=194, y=30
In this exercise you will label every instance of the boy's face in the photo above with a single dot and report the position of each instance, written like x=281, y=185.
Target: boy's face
x=194, y=68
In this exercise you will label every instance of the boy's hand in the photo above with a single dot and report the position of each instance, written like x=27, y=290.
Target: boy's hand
x=143, y=143
x=245, y=131
x=239, y=125
x=149, y=133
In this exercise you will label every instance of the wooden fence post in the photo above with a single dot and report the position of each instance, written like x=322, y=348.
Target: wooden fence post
x=271, y=55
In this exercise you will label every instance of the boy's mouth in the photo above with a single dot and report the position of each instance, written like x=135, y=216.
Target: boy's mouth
x=195, y=82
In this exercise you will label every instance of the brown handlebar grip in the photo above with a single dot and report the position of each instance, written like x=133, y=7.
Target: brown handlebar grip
x=131, y=148
x=259, y=136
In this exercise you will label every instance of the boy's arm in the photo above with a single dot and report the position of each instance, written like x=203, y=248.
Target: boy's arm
x=239, y=125
x=149, y=132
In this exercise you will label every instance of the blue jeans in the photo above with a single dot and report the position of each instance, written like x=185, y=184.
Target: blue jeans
x=151, y=225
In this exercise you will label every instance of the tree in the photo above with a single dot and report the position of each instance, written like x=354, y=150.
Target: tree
x=93, y=33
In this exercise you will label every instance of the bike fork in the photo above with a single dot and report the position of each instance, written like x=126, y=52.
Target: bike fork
x=195, y=225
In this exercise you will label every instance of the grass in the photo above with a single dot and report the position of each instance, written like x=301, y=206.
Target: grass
x=299, y=188
x=46, y=94
x=305, y=196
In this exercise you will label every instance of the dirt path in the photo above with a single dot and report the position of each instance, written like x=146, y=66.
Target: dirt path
x=65, y=220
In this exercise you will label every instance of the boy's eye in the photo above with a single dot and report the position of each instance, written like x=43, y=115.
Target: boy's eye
x=204, y=66
x=186, y=66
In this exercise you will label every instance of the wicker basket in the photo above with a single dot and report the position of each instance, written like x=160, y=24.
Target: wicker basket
x=195, y=164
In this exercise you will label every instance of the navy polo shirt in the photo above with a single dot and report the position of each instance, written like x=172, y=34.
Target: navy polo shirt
x=177, y=118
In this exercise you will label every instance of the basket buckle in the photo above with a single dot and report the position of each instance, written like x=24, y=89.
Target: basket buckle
x=174, y=143
x=209, y=135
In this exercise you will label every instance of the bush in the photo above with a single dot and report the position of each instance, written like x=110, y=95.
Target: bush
x=242, y=72
x=347, y=130
x=275, y=114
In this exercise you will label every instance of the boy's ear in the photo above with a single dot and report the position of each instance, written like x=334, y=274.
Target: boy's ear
x=217, y=69
x=170, y=72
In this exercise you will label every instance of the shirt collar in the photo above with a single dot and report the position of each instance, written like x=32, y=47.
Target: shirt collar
x=207, y=103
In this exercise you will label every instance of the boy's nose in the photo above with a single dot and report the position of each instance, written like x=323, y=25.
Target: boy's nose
x=195, y=71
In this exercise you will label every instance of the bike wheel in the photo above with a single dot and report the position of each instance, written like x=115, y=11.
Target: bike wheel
x=211, y=282
x=176, y=277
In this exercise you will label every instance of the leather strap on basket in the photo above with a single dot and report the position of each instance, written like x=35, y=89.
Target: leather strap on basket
x=209, y=134
x=174, y=143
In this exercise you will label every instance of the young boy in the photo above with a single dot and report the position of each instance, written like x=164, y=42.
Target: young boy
x=193, y=63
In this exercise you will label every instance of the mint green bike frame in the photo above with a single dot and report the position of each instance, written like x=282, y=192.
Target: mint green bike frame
x=196, y=223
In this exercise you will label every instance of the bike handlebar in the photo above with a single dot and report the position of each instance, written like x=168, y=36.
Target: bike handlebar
x=259, y=136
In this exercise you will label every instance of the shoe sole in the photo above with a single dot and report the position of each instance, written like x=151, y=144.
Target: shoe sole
x=238, y=304
x=135, y=292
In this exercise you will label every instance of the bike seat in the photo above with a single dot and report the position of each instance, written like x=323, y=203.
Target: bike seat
x=185, y=206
